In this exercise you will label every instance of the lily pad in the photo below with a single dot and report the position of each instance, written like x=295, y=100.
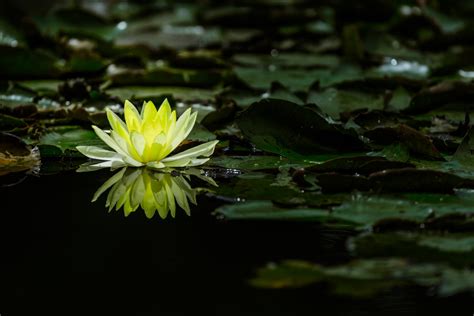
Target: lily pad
x=334, y=101
x=61, y=141
x=291, y=130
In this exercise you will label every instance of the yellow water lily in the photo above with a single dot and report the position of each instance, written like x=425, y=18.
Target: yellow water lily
x=147, y=139
x=154, y=192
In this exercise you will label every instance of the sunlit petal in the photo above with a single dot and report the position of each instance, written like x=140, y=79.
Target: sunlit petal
x=132, y=117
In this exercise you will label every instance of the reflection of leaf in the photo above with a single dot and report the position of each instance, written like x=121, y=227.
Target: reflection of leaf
x=453, y=249
x=16, y=156
x=291, y=130
x=365, y=278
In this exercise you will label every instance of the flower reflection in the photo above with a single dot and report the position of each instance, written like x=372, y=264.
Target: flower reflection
x=131, y=188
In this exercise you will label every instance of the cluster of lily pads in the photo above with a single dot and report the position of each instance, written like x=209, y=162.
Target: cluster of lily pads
x=335, y=115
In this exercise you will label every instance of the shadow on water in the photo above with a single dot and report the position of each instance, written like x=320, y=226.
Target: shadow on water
x=63, y=255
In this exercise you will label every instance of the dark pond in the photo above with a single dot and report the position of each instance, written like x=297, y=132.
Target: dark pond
x=63, y=255
x=339, y=134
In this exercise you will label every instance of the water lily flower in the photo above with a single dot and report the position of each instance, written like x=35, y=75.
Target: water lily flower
x=147, y=139
x=155, y=192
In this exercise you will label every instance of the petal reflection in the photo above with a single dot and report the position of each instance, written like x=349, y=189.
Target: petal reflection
x=152, y=191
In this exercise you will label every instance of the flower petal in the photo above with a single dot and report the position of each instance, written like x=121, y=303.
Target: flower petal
x=131, y=155
x=156, y=165
x=183, y=127
x=108, y=140
x=138, y=142
x=148, y=111
x=163, y=115
x=205, y=150
x=132, y=117
x=117, y=124
x=99, y=153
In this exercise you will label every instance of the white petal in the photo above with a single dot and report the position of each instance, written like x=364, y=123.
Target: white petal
x=138, y=142
x=98, y=153
x=205, y=150
x=108, y=140
x=184, y=130
x=156, y=165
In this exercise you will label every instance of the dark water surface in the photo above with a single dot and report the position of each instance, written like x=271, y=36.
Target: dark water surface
x=63, y=255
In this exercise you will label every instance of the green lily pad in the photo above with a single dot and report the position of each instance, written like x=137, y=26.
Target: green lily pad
x=62, y=141
x=291, y=130
x=333, y=101
x=293, y=79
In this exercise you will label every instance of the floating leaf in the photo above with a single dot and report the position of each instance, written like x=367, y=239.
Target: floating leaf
x=63, y=140
x=334, y=101
x=291, y=130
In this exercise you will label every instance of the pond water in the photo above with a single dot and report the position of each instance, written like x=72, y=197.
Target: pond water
x=336, y=138
x=63, y=255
